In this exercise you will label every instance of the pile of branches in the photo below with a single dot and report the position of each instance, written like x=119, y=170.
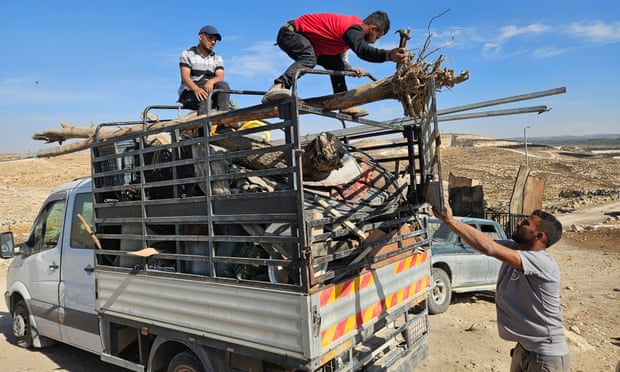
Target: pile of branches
x=411, y=82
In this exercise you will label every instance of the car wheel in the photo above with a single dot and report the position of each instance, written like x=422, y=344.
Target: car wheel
x=21, y=325
x=440, y=292
x=185, y=362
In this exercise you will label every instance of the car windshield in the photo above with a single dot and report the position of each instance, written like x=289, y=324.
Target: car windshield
x=439, y=231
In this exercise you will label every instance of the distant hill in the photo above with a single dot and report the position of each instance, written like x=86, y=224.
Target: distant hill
x=593, y=140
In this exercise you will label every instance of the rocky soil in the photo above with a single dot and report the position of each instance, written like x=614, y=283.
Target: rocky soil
x=465, y=337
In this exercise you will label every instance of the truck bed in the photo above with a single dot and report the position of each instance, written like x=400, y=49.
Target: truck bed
x=201, y=240
x=303, y=326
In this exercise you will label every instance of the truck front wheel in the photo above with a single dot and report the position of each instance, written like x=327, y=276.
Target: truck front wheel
x=21, y=325
x=440, y=292
x=185, y=362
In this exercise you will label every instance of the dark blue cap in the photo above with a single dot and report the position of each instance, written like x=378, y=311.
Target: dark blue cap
x=210, y=30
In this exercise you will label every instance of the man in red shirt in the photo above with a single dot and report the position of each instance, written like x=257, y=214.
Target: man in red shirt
x=324, y=39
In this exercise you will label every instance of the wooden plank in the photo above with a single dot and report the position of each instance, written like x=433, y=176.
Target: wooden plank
x=516, y=200
x=533, y=194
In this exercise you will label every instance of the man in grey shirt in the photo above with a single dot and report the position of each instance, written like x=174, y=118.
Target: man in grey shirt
x=528, y=290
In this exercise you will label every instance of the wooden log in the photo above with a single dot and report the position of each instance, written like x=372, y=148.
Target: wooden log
x=72, y=131
x=89, y=231
x=366, y=93
x=320, y=156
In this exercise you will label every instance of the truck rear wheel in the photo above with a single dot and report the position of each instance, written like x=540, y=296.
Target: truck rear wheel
x=185, y=362
x=440, y=294
x=21, y=325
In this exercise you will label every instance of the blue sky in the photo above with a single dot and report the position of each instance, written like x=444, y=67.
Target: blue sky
x=88, y=62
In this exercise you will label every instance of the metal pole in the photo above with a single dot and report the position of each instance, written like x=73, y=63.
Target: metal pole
x=500, y=101
x=525, y=142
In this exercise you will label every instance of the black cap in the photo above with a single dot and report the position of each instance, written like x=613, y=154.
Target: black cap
x=210, y=30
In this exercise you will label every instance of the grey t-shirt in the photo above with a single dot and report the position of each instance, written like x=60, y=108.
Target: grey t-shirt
x=528, y=303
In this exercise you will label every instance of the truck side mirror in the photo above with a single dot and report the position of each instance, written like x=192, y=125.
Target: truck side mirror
x=7, y=246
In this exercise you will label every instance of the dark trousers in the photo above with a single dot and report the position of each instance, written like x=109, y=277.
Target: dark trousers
x=527, y=361
x=219, y=100
x=298, y=47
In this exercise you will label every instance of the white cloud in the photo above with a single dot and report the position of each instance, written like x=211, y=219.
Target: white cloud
x=258, y=61
x=545, y=52
x=508, y=32
x=544, y=41
x=491, y=49
x=597, y=31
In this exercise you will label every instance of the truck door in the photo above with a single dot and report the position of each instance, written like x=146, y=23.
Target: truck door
x=42, y=265
x=80, y=325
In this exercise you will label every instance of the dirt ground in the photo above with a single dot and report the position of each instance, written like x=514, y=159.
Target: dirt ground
x=462, y=339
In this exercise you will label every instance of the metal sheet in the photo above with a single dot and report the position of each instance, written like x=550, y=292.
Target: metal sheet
x=351, y=306
x=264, y=319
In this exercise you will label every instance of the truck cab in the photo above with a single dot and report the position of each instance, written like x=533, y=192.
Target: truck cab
x=50, y=281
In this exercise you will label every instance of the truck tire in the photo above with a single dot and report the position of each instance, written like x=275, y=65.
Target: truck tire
x=185, y=362
x=440, y=295
x=21, y=325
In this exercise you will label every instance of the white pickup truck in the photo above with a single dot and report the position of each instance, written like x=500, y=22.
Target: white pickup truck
x=173, y=257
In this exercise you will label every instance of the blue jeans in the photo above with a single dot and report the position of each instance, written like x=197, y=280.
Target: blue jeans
x=527, y=361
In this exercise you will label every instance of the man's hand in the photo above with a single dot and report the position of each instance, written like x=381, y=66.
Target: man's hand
x=359, y=71
x=446, y=216
x=208, y=87
x=398, y=55
x=201, y=94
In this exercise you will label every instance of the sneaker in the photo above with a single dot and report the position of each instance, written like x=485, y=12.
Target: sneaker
x=275, y=93
x=354, y=111
x=217, y=112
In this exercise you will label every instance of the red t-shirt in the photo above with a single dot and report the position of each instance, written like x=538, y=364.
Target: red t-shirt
x=325, y=31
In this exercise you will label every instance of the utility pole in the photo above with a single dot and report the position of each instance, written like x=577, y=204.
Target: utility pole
x=525, y=142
